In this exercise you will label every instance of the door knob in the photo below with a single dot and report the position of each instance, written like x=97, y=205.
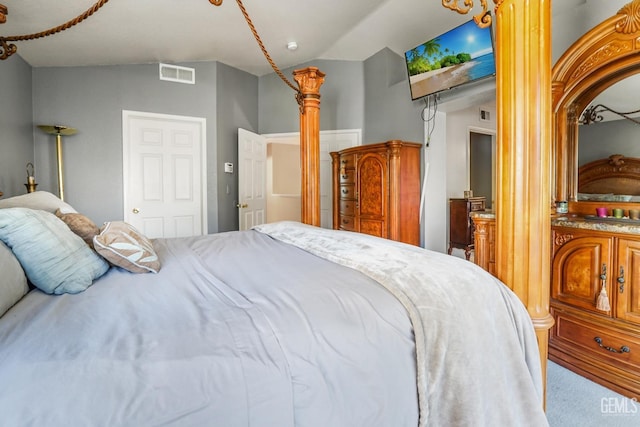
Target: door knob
x=136, y=210
x=243, y=205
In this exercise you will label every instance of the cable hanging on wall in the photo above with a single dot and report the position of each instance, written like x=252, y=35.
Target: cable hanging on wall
x=429, y=114
x=429, y=117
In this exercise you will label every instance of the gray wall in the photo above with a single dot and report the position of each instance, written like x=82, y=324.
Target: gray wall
x=92, y=99
x=600, y=140
x=16, y=126
x=341, y=102
x=389, y=112
x=372, y=95
x=237, y=107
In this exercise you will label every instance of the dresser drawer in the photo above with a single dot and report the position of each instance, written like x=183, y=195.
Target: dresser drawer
x=348, y=161
x=347, y=223
x=617, y=347
x=347, y=207
x=347, y=176
x=476, y=205
x=347, y=191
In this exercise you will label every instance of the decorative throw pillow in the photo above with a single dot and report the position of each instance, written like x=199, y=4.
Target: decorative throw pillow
x=54, y=258
x=124, y=246
x=13, y=284
x=81, y=225
x=37, y=200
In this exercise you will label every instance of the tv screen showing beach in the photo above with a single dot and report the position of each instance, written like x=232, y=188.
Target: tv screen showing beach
x=459, y=56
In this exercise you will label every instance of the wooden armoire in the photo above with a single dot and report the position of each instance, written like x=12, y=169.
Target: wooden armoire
x=376, y=190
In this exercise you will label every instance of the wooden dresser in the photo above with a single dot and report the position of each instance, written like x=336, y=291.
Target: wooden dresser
x=376, y=190
x=460, y=223
x=600, y=344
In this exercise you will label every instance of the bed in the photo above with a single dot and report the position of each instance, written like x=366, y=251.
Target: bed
x=283, y=325
x=611, y=179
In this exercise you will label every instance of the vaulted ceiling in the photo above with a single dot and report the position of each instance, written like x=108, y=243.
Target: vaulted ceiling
x=148, y=31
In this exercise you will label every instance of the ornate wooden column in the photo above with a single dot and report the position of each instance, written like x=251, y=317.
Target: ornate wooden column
x=523, y=209
x=309, y=81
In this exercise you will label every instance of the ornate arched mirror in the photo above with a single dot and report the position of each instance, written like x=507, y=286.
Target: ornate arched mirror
x=603, y=61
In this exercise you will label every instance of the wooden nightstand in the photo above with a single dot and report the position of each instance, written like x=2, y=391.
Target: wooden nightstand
x=460, y=223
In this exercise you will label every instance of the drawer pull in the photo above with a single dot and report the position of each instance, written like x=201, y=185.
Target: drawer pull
x=623, y=349
x=621, y=279
x=345, y=191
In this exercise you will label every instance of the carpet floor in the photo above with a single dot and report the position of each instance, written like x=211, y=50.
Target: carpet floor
x=574, y=401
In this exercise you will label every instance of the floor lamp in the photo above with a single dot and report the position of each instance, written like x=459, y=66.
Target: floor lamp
x=58, y=131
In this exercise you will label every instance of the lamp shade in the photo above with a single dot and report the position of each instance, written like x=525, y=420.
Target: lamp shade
x=58, y=129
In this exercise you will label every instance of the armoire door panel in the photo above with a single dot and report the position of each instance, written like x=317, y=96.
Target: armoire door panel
x=577, y=270
x=627, y=281
x=372, y=187
x=373, y=227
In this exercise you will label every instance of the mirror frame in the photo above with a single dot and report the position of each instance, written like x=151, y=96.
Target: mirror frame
x=600, y=58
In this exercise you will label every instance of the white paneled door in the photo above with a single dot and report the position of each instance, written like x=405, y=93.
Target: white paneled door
x=164, y=174
x=252, y=186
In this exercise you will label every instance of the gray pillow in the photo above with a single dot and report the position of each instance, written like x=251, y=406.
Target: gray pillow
x=13, y=284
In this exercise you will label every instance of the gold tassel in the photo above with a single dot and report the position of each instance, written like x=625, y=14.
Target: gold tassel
x=603, y=300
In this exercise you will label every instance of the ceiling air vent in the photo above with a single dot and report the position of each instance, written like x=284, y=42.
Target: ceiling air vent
x=174, y=73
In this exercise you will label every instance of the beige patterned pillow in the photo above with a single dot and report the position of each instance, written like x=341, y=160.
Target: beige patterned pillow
x=125, y=247
x=81, y=225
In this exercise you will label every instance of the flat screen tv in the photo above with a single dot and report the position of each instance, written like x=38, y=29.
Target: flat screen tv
x=458, y=57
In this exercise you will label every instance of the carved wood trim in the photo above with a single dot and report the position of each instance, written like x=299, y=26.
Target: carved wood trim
x=615, y=173
x=630, y=23
x=561, y=239
x=309, y=81
x=602, y=57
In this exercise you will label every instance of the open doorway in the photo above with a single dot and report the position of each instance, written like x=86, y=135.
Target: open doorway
x=283, y=173
x=482, y=164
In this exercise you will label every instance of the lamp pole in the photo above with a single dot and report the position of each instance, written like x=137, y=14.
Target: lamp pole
x=58, y=131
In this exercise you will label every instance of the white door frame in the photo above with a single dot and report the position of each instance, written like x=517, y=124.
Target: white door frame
x=492, y=133
x=294, y=138
x=127, y=115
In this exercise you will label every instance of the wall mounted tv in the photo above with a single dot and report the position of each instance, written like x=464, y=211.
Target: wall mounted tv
x=460, y=56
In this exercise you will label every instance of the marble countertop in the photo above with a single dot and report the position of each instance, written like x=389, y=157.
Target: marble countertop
x=609, y=224
x=483, y=214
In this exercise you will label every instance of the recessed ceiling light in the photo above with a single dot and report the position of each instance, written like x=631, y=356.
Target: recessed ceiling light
x=292, y=46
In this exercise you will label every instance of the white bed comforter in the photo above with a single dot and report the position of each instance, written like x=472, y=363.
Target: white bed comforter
x=476, y=349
